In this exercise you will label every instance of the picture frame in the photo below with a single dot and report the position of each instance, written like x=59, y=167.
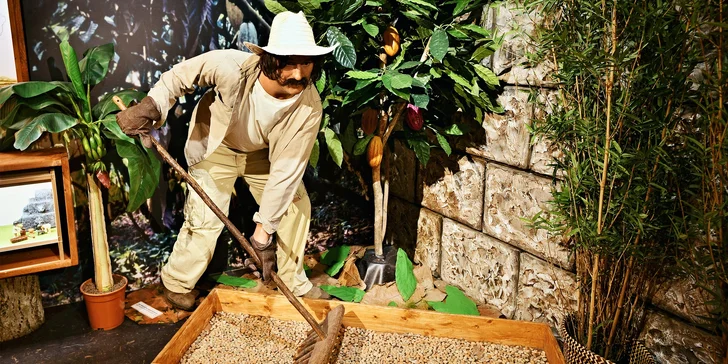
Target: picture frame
x=37, y=224
x=13, y=55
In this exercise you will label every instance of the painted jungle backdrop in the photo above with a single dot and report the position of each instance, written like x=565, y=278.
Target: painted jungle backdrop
x=149, y=37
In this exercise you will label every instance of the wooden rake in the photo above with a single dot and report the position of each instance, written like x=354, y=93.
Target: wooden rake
x=319, y=344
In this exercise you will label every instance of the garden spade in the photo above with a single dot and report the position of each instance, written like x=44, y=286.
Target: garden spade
x=319, y=344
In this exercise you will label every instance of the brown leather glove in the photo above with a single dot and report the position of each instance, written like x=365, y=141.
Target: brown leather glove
x=267, y=254
x=139, y=119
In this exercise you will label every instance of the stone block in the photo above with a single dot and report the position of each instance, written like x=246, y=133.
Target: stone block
x=506, y=138
x=402, y=172
x=511, y=195
x=683, y=298
x=452, y=185
x=546, y=293
x=429, y=233
x=483, y=267
x=402, y=219
x=519, y=29
x=676, y=342
x=544, y=154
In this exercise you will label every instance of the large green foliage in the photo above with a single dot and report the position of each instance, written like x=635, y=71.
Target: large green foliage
x=29, y=109
x=448, y=80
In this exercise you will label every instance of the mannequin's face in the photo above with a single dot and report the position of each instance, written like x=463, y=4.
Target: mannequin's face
x=295, y=74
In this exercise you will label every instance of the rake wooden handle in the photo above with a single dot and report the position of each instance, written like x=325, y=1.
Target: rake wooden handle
x=231, y=227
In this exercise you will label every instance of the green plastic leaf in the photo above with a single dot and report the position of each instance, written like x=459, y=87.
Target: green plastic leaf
x=236, y=281
x=51, y=122
x=361, y=146
x=321, y=82
x=444, y=144
x=70, y=60
x=371, y=29
x=274, y=6
x=315, y=151
x=95, y=63
x=439, y=43
x=487, y=75
x=421, y=100
x=404, y=275
x=392, y=304
x=456, y=303
x=344, y=53
x=362, y=75
x=421, y=148
x=334, y=258
x=348, y=294
x=334, y=145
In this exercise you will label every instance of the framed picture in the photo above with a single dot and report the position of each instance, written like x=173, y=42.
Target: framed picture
x=13, y=58
x=37, y=225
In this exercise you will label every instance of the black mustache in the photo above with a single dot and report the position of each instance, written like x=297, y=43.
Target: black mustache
x=294, y=82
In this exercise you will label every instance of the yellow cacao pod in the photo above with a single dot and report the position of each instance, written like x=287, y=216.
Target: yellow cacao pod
x=391, y=41
x=369, y=121
x=374, y=152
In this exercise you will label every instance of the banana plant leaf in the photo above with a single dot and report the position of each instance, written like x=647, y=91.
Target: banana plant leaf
x=106, y=106
x=95, y=64
x=51, y=122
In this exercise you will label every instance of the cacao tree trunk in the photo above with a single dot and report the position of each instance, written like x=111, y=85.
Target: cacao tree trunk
x=102, y=263
x=21, y=308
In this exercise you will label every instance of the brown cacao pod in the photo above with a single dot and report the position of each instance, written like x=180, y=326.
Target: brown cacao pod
x=374, y=152
x=369, y=121
x=414, y=117
x=391, y=41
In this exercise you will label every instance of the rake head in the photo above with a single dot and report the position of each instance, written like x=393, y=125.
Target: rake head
x=315, y=350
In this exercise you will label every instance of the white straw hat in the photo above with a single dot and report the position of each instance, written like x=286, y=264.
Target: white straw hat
x=290, y=35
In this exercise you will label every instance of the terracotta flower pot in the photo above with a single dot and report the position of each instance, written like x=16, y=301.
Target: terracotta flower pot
x=105, y=310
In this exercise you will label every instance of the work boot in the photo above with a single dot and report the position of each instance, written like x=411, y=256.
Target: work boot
x=183, y=301
x=317, y=293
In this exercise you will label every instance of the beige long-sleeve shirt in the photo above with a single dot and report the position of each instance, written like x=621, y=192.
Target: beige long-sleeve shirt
x=231, y=75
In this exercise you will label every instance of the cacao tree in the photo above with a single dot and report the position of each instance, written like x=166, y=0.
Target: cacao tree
x=417, y=60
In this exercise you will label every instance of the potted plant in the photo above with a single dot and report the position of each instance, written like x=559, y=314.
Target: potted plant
x=402, y=70
x=89, y=129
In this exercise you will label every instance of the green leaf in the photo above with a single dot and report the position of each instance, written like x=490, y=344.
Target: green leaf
x=321, y=82
x=144, y=170
x=95, y=63
x=462, y=4
x=459, y=79
x=421, y=100
x=371, y=29
x=444, y=144
x=313, y=159
x=274, y=6
x=334, y=258
x=387, y=81
x=456, y=303
x=348, y=138
x=404, y=275
x=439, y=43
x=115, y=130
x=421, y=148
x=345, y=53
x=51, y=122
x=341, y=10
x=400, y=81
x=482, y=52
x=362, y=75
x=453, y=129
x=487, y=75
x=392, y=304
x=309, y=6
x=348, y=294
x=420, y=2
x=476, y=29
x=457, y=33
x=236, y=281
x=361, y=146
x=408, y=65
x=334, y=145
x=107, y=106
x=27, y=89
x=74, y=72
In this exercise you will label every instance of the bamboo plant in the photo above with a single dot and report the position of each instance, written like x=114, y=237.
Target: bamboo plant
x=402, y=70
x=637, y=106
x=30, y=109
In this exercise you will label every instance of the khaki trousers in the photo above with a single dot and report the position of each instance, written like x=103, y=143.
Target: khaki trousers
x=198, y=236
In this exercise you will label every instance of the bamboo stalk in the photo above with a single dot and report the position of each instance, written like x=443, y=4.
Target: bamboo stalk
x=102, y=263
x=377, y=188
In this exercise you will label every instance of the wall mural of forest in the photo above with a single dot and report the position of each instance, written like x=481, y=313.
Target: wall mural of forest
x=149, y=37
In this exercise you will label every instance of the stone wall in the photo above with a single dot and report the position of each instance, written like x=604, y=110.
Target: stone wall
x=464, y=214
